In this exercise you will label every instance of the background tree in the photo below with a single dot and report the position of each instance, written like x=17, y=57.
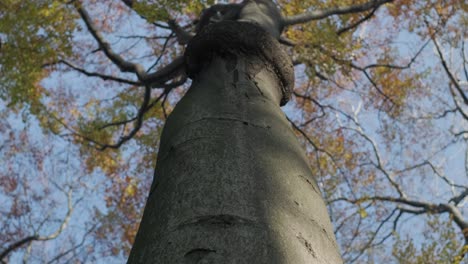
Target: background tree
x=379, y=104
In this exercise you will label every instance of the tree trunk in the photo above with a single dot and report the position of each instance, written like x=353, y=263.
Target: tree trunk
x=232, y=184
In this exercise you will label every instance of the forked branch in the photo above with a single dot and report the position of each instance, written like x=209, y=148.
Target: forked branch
x=154, y=80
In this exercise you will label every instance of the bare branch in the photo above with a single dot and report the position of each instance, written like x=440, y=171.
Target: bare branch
x=65, y=221
x=459, y=198
x=418, y=207
x=170, y=71
x=355, y=234
x=16, y=245
x=118, y=123
x=163, y=49
x=59, y=256
x=465, y=63
x=379, y=165
x=29, y=239
x=374, y=235
x=145, y=106
x=139, y=121
x=362, y=69
x=457, y=104
x=124, y=66
x=459, y=220
x=129, y=4
x=319, y=149
x=183, y=37
x=164, y=107
x=357, y=23
x=149, y=106
x=319, y=14
x=143, y=37
x=155, y=80
x=449, y=73
x=436, y=172
x=429, y=207
x=96, y=74
x=397, y=67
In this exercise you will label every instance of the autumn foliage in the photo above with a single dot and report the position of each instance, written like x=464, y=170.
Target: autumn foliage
x=380, y=105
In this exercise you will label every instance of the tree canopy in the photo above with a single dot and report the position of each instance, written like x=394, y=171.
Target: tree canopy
x=380, y=104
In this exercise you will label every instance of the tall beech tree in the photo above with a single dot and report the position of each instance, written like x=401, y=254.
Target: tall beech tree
x=232, y=183
x=374, y=122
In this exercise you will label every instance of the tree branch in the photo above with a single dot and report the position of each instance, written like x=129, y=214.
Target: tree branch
x=168, y=72
x=357, y=23
x=124, y=66
x=163, y=49
x=373, y=236
x=28, y=239
x=449, y=73
x=319, y=149
x=154, y=80
x=319, y=14
x=65, y=221
x=379, y=164
x=59, y=256
x=145, y=106
x=129, y=4
x=16, y=245
x=419, y=207
x=429, y=207
x=96, y=74
x=183, y=37
x=459, y=198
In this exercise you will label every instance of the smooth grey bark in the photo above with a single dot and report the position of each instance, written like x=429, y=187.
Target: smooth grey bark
x=232, y=184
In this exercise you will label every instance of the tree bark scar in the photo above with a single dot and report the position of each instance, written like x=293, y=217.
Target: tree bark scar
x=197, y=254
x=231, y=63
x=258, y=88
x=306, y=244
x=235, y=76
x=230, y=39
x=312, y=183
x=218, y=221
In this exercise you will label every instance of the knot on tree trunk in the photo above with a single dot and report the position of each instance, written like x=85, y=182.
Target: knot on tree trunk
x=232, y=39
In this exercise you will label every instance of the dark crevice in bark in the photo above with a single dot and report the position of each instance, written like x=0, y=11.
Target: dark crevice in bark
x=230, y=119
x=231, y=64
x=258, y=88
x=197, y=254
x=310, y=183
x=179, y=144
x=235, y=77
x=220, y=221
x=245, y=122
x=307, y=245
x=173, y=147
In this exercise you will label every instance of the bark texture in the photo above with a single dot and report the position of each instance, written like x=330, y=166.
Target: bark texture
x=232, y=184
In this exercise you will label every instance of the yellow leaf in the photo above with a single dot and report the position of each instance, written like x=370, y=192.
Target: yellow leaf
x=130, y=190
x=362, y=213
